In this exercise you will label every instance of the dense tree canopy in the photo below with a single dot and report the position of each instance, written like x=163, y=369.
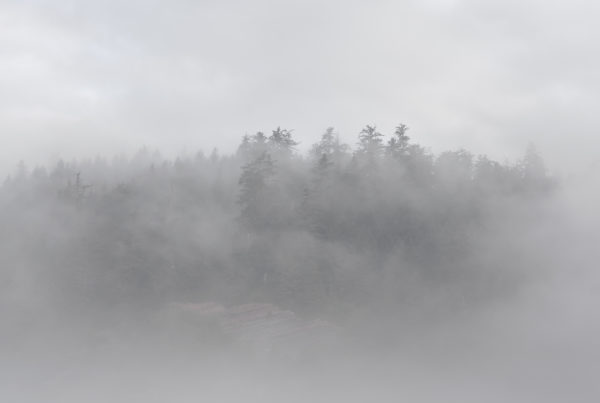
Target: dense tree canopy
x=328, y=232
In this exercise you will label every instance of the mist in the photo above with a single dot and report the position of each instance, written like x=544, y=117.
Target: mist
x=299, y=201
x=81, y=78
x=370, y=270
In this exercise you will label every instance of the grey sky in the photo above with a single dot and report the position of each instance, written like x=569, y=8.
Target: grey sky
x=79, y=78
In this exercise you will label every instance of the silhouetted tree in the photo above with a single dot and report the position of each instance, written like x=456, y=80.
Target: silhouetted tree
x=370, y=143
x=281, y=141
x=397, y=146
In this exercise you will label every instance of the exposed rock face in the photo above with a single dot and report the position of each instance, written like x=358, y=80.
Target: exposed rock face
x=263, y=329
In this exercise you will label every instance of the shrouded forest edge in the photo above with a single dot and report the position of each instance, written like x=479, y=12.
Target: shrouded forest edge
x=342, y=232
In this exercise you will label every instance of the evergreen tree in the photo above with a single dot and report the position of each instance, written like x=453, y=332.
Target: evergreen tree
x=255, y=190
x=397, y=146
x=281, y=141
x=331, y=146
x=370, y=142
x=253, y=146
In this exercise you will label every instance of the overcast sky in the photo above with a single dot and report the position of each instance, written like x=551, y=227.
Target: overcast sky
x=79, y=78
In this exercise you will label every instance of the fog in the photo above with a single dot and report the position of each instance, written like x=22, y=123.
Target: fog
x=372, y=270
x=178, y=222
x=81, y=78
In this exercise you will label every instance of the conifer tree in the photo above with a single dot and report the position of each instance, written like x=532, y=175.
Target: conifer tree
x=397, y=146
x=255, y=185
x=281, y=141
x=370, y=142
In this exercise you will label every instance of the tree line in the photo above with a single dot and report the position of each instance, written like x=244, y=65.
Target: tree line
x=383, y=224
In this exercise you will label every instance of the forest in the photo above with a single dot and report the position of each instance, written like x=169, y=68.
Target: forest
x=378, y=229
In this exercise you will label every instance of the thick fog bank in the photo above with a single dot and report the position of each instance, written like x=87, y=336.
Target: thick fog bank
x=380, y=272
